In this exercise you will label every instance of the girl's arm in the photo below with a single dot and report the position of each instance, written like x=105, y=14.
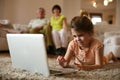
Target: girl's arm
x=98, y=61
x=88, y=67
x=64, y=61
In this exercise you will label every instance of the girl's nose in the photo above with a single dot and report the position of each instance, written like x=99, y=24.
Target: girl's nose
x=78, y=38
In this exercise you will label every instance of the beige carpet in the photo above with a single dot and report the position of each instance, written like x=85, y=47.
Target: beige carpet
x=108, y=72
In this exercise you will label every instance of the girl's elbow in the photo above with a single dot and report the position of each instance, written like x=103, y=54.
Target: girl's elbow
x=100, y=66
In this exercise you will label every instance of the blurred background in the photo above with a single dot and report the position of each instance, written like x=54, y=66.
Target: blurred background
x=22, y=11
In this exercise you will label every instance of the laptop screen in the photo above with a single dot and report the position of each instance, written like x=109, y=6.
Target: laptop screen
x=28, y=52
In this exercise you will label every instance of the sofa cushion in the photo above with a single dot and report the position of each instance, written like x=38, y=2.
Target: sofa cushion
x=111, y=33
x=21, y=27
x=112, y=40
x=114, y=48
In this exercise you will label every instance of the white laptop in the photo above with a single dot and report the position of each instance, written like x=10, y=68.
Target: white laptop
x=28, y=52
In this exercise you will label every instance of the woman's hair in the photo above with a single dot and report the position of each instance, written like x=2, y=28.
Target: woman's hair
x=56, y=7
x=82, y=23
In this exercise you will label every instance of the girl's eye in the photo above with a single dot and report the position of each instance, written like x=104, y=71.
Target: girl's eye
x=81, y=35
x=74, y=36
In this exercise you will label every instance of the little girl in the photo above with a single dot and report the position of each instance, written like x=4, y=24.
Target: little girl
x=87, y=51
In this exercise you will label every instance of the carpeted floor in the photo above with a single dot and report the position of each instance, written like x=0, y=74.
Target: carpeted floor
x=7, y=72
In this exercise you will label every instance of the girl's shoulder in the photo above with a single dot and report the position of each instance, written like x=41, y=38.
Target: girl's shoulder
x=73, y=46
x=96, y=43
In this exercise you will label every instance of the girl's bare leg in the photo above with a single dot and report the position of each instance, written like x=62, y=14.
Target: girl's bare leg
x=110, y=56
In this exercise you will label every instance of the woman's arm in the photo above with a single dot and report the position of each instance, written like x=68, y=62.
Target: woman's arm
x=65, y=26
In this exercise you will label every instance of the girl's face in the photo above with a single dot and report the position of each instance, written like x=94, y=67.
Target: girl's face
x=56, y=12
x=82, y=38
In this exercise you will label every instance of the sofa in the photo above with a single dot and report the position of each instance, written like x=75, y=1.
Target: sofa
x=3, y=41
x=112, y=42
x=102, y=31
x=5, y=29
x=110, y=36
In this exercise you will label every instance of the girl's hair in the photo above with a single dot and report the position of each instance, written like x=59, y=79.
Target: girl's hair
x=82, y=23
x=56, y=7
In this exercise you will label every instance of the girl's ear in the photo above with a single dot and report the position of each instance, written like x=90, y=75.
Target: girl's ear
x=91, y=34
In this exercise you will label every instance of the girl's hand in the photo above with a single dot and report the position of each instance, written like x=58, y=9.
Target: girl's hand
x=61, y=61
x=79, y=66
x=82, y=67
